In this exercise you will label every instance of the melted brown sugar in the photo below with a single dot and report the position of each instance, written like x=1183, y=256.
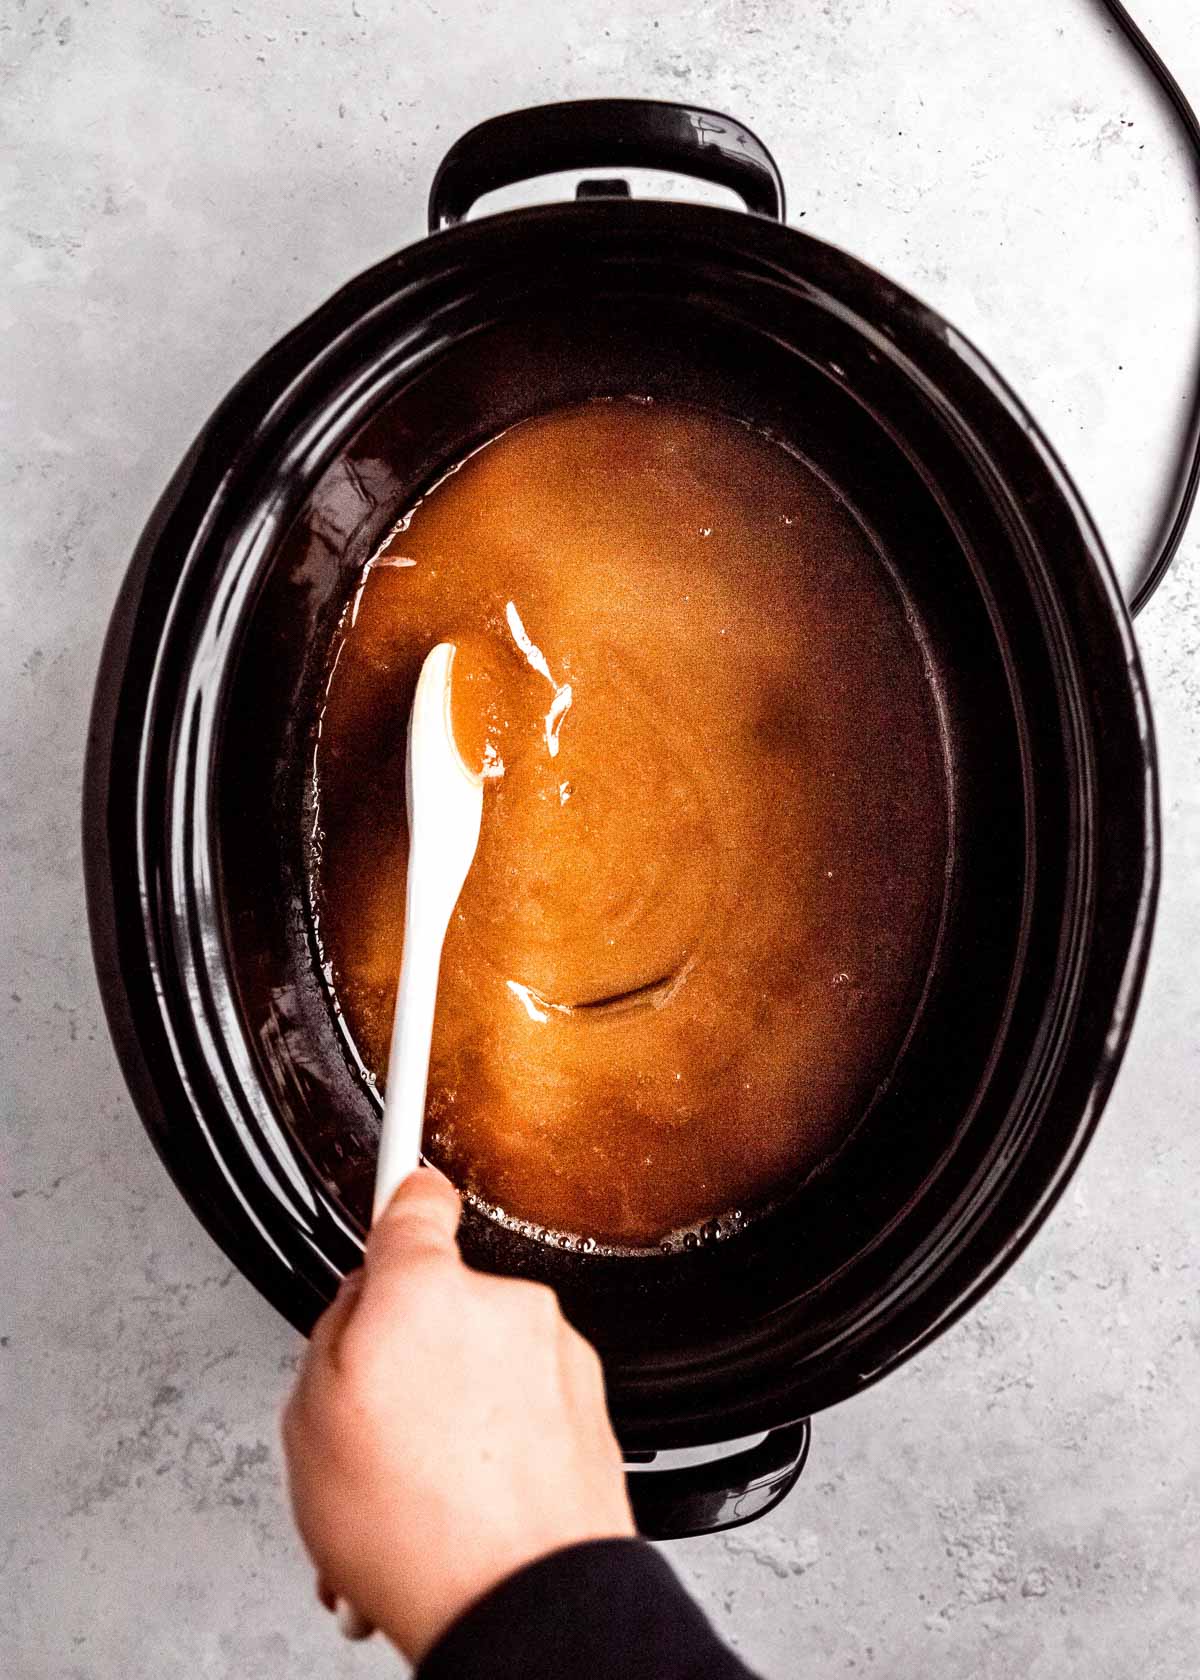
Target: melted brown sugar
x=714, y=836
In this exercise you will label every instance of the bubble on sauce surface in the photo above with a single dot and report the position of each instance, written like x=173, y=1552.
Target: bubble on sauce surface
x=688, y=1240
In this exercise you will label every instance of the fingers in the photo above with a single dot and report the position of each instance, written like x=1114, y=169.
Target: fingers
x=420, y=1220
x=417, y=1226
x=350, y=1623
x=327, y=1331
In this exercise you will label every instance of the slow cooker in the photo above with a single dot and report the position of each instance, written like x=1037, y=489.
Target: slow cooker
x=197, y=795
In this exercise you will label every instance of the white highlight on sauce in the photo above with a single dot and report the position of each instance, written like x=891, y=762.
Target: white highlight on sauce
x=561, y=703
x=537, y=1007
x=529, y=999
x=397, y=561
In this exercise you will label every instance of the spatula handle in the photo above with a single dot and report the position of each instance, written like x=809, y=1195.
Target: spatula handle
x=408, y=1063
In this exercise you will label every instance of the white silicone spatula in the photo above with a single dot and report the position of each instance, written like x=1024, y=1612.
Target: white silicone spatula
x=445, y=807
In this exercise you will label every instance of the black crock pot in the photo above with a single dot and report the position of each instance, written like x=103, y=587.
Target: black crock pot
x=196, y=800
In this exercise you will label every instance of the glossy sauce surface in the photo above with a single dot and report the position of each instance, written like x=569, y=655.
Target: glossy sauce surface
x=715, y=831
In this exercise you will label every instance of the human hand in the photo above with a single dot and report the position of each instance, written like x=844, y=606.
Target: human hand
x=447, y=1428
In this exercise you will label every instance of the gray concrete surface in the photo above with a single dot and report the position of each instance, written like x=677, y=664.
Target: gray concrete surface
x=183, y=180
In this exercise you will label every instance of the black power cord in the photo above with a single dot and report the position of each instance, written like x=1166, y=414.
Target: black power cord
x=1187, y=480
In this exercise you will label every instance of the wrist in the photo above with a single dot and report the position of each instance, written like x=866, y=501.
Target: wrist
x=415, y=1621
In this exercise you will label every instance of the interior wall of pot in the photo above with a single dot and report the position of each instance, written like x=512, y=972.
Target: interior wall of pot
x=660, y=1308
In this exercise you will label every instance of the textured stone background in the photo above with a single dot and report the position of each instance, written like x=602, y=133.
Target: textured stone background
x=182, y=182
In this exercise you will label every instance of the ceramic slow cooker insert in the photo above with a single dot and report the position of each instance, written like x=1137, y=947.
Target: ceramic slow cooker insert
x=196, y=810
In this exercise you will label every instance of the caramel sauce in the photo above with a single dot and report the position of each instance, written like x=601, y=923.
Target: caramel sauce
x=714, y=841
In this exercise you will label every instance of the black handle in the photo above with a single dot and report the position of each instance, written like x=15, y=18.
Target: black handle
x=725, y=1493
x=593, y=133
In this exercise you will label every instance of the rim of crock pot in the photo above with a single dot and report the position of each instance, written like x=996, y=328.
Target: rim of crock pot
x=270, y=451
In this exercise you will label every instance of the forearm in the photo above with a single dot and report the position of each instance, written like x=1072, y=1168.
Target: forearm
x=606, y=1610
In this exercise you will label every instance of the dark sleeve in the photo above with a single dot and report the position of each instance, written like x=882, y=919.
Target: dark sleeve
x=607, y=1610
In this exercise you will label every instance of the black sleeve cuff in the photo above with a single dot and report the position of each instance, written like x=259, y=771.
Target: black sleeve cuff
x=606, y=1610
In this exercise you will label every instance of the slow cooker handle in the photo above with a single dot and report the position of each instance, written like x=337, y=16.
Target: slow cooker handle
x=598, y=133
x=725, y=1493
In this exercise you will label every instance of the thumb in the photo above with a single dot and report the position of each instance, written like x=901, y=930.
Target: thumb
x=419, y=1223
